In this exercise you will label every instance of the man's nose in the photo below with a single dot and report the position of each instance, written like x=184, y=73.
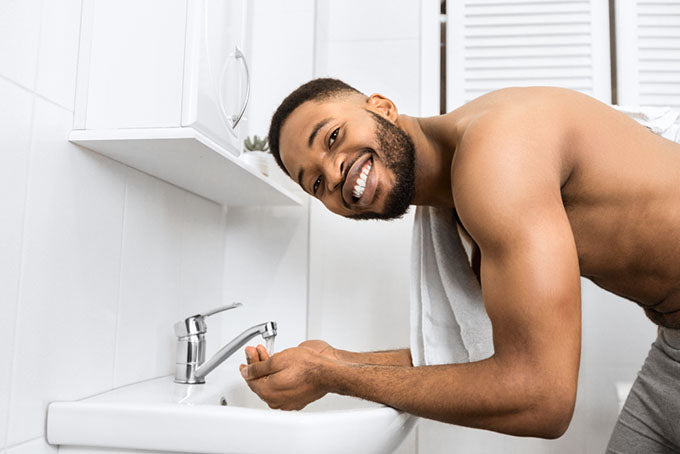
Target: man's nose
x=335, y=168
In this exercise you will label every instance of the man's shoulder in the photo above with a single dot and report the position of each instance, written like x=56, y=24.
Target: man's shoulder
x=508, y=161
x=505, y=145
x=509, y=136
x=540, y=121
x=521, y=113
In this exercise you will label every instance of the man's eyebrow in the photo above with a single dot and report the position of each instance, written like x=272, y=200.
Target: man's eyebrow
x=318, y=126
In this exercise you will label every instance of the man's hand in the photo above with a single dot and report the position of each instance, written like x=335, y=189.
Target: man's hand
x=288, y=380
x=259, y=353
x=321, y=347
x=256, y=354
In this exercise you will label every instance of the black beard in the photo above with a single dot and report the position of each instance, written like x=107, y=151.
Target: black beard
x=399, y=156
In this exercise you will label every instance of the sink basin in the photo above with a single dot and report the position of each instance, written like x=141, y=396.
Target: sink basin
x=162, y=416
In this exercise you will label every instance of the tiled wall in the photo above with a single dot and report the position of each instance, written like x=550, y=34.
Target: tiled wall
x=283, y=40
x=372, y=45
x=98, y=260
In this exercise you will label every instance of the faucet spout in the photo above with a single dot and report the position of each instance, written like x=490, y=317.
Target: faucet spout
x=190, y=366
x=267, y=330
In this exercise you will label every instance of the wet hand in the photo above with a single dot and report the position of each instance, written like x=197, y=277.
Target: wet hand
x=256, y=354
x=321, y=347
x=288, y=380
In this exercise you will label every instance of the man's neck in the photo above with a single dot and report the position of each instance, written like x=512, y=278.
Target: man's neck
x=435, y=143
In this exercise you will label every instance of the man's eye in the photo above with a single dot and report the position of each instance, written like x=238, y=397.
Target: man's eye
x=316, y=184
x=334, y=135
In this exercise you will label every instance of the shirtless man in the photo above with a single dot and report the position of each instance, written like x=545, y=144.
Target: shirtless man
x=550, y=184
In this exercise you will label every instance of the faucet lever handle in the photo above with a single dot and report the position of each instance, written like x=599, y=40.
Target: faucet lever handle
x=220, y=309
x=196, y=323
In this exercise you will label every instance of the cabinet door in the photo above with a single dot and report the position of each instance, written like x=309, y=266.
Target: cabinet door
x=216, y=80
x=501, y=43
x=648, y=52
x=134, y=60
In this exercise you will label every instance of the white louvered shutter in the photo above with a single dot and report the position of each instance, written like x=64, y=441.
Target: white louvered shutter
x=648, y=52
x=493, y=44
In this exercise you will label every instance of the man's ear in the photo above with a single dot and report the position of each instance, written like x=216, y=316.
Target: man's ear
x=383, y=106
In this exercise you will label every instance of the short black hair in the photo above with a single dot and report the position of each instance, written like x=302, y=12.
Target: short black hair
x=314, y=90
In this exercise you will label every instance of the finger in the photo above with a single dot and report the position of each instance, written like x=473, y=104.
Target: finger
x=252, y=355
x=258, y=353
x=252, y=384
x=264, y=355
x=257, y=370
x=241, y=367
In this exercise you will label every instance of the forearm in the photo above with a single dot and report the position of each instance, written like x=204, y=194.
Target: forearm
x=400, y=357
x=483, y=394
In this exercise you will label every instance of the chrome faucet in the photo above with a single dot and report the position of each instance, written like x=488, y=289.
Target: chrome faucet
x=191, y=367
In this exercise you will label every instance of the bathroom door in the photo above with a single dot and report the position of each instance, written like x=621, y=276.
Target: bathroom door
x=522, y=43
x=648, y=53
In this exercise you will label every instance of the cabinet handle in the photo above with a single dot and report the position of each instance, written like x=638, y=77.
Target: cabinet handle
x=235, y=119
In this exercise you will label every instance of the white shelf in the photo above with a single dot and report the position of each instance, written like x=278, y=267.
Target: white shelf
x=190, y=160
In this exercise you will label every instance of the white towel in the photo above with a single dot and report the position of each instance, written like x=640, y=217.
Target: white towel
x=449, y=323
x=660, y=120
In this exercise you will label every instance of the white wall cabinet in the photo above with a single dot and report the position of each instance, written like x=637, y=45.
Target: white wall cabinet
x=160, y=63
x=163, y=86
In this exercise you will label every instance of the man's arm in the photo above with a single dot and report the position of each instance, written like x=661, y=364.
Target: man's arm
x=511, y=205
x=401, y=357
x=531, y=291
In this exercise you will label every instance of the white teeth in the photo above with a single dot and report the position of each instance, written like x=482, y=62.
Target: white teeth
x=360, y=184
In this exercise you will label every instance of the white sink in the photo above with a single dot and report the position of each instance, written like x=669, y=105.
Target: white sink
x=162, y=416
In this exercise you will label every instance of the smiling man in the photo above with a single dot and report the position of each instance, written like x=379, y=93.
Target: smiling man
x=550, y=185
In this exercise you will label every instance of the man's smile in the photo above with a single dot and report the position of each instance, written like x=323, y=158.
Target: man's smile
x=360, y=183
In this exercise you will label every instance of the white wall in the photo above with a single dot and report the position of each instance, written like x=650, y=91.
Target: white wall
x=98, y=260
x=359, y=281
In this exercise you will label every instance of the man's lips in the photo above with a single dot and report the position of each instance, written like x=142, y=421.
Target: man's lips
x=351, y=178
x=347, y=200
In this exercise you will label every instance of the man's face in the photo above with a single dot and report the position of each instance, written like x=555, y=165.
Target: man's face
x=356, y=162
